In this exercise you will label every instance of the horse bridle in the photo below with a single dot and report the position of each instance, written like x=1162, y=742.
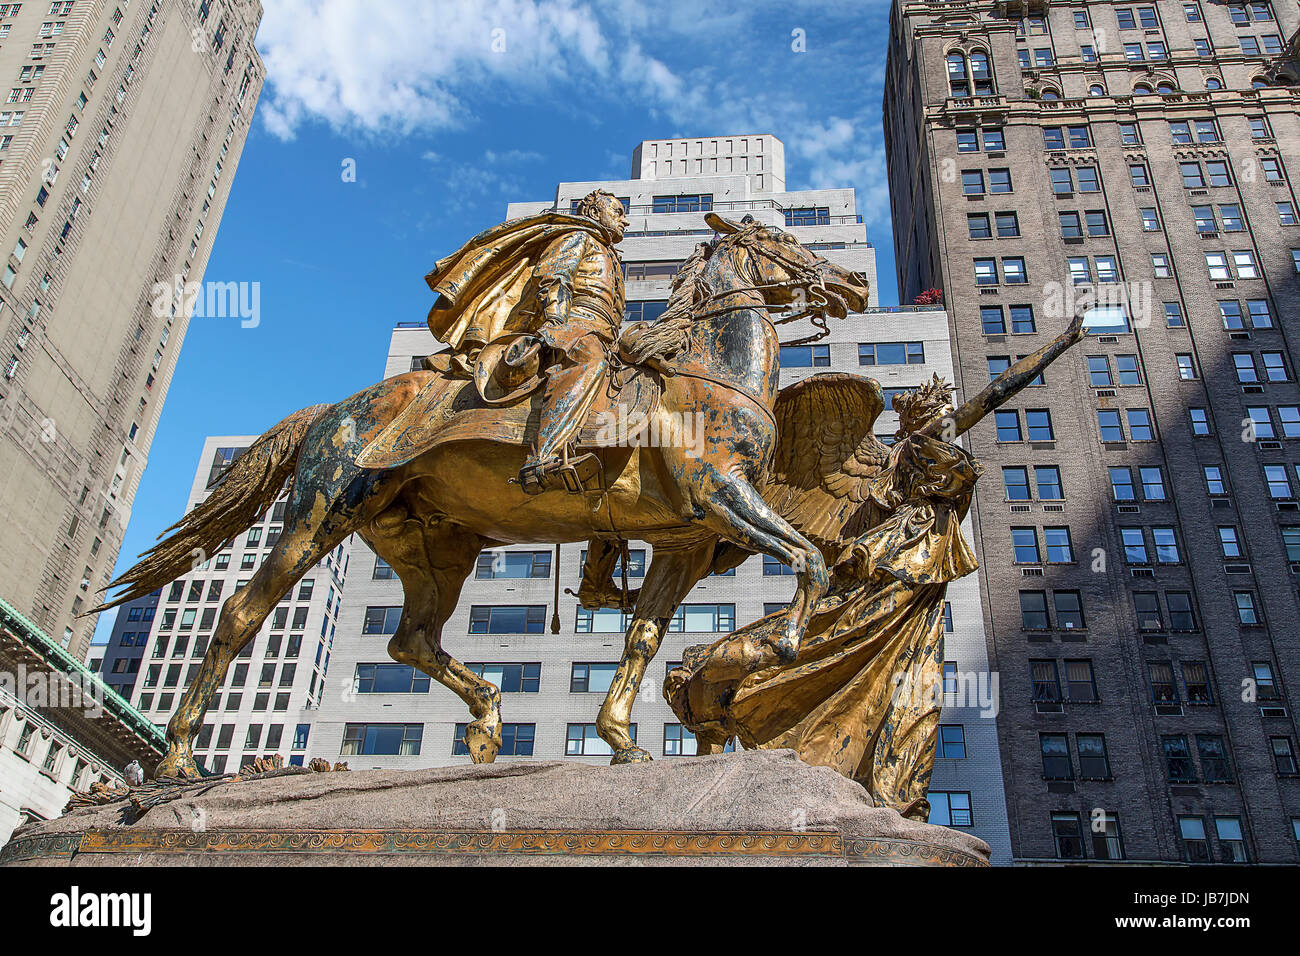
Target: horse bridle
x=804, y=275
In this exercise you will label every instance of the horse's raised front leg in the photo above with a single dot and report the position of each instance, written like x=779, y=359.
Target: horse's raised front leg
x=737, y=512
x=433, y=563
x=670, y=577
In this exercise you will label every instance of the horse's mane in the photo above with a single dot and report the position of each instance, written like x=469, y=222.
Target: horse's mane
x=656, y=343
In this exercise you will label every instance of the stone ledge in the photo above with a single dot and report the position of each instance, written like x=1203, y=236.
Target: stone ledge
x=757, y=807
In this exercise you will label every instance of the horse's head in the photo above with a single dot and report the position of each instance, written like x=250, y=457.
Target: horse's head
x=779, y=266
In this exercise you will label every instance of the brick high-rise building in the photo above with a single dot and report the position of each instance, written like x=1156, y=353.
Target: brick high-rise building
x=121, y=123
x=1139, y=525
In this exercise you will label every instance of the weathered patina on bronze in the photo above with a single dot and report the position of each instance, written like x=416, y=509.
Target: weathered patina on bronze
x=673, y=435
x=863, y=694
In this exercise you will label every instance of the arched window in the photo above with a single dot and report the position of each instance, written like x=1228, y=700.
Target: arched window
x=1258, y=83
x=1213, y=83
x=981, y=73
x=967, y=74
x=1141, y=89
x=1050, y=94
x=958, y=85
x=1166, y=89
x=1284, y=80
x=1096, y=90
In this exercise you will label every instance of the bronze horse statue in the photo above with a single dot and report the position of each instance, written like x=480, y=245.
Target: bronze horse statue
x=431, y=516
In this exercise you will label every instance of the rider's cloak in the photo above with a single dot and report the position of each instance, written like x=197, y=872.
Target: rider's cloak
x=487, y=288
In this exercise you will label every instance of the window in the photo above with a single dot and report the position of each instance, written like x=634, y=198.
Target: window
x=1138, y=174
x=1109, y=424
x=808, y=216
x=1195, y=845
x=1007, y=425
x=1048, y=479
x=1069, y=609
x=507, y=619
x=691, y=202
x=1094, y=761
x=1283, y=756
x=1015, y=482
x=703, y=618
x=1213, y=752
x=1068, y=831
x=1247, y=613
x=1261, y=424
x=1024, y=543
x=969, y=74
x=1215, y=483
x=591, y=678
x=1045, y=682
x=1135, y=546
x=583, y=740
x=999, y=180
x=1286, y=214
x=972, y=182
x=1150, y=220
x=1160, y=265
x=993, y=320
x=1033, y=611
x=1038, y=424
x=952, y=741
x=389, y=679
x=1153, y=483
x=513, y=564
x=1055, y=750
x=1106, y=841
x=1059, y=547
x=892, y=353
x=1186, y=366
x=511, y=678
x=378, y=620
x=950, y=808
x=678, y=741
x=1121, y=484
x=977, y=224
x=1178, y=759
x=1232, y=845
x=382, y=740
x=805, y=356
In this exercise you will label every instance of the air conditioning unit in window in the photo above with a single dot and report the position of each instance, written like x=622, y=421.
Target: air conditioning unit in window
x=1169, y=710
x=1105, y=393
x=1270, y=445
x=1239, y=335
x=1108, y=339
x=1048, y=706
x=1019, y=509
x=1053, y=507
x=1272, y=710
x=1236, y=569
x=1031, y=572
x=1252, y=389
x=1143, y=573
x=1129, y=509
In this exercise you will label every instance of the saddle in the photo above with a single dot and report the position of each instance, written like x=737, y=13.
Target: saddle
x=451, y=409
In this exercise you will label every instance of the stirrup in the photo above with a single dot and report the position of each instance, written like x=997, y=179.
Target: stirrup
x=575, y=475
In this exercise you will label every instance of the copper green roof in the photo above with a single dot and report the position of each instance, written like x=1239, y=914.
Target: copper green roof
x=60, y=660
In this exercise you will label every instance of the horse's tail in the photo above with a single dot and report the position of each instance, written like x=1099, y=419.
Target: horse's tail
x=253, y=481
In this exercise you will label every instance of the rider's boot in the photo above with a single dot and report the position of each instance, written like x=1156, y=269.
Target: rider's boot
x=571, y=388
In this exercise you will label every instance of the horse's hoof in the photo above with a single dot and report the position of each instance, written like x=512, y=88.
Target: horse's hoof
x=629, y=755
x=483, y=739
x=180, y=765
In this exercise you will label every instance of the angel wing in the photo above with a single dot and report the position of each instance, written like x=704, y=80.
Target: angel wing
x=826, y=455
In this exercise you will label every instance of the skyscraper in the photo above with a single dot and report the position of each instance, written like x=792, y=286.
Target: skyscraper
x=376, y=713
x=119, y=137
x=1139, y=527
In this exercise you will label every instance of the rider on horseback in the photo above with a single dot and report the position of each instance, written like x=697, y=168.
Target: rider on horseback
x=532, y=302
x=580, y=285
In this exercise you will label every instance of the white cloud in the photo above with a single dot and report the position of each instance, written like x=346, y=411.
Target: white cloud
x=392, y=68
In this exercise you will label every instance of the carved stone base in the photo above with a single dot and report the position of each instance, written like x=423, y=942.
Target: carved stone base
x=761, y=807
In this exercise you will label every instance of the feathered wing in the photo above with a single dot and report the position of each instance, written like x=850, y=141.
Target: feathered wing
x=826, y=456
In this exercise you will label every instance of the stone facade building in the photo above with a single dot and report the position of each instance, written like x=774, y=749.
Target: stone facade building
x=120, y=131
x=1139, y=524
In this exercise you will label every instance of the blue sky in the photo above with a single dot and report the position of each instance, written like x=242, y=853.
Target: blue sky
x=450, y=110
